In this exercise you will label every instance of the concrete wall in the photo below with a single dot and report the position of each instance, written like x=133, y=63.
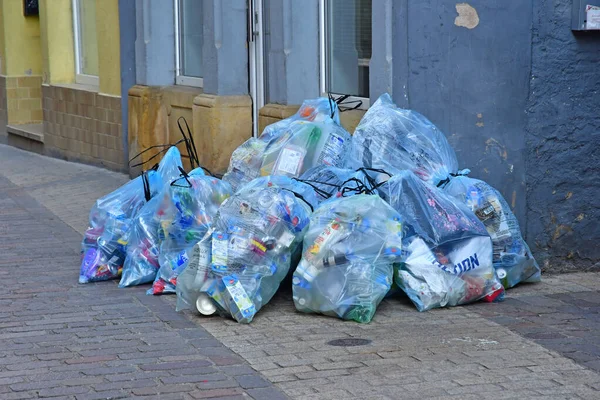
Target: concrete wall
x=563, y=132
x=516, y=92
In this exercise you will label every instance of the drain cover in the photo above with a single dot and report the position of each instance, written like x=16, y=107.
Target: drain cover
x=349, y=342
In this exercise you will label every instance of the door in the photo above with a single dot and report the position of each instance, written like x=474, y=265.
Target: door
x=256, y=59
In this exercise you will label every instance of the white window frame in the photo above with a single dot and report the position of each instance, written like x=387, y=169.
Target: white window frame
x=179, y=78
x=83, y=79
x=366, y=102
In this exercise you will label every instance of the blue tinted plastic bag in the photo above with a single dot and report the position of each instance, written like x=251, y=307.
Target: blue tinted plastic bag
x=191, y=204
x=513, y=260
x=291, y=146
x=104, y=246
x=141, y=263
x=347, y=259
x=447, y=252
x=169, y=168
x=104, y=242
x=395, y=139
x=238, y=268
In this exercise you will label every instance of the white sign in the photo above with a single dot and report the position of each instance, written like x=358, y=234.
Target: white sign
x=592, y=17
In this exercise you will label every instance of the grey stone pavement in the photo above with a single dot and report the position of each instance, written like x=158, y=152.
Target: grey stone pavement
x=59, y=339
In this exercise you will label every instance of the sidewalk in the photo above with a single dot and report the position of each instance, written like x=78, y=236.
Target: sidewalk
x=65, y=340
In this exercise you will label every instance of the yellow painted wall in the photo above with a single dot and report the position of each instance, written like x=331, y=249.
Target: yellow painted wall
x=109, y=66
x=58, y=53
x=2, y=52
x=21, y=37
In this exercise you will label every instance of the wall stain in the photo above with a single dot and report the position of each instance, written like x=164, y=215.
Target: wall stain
x=568, y=196
x=561, y=230
x=494, y=144
x=467, y=16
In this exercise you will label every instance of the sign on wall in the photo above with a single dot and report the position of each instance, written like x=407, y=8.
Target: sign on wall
x=592, y=17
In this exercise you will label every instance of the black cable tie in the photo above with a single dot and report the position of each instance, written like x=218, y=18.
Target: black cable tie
x=184, y=175
x=189, y=143
x=298, y=195
x=146, y=184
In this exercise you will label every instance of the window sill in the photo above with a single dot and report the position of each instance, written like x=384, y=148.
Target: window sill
x=77, y=86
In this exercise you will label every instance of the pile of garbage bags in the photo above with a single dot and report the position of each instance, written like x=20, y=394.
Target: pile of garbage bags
x=341, y=219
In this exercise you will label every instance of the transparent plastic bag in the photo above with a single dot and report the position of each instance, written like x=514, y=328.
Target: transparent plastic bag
x=169, y=168
x=238, y=268
x=104, y=246
x=104, y=243
x=286, y=148
x=447, y=252
x=191, y=204
x=395, y=139
x=347, y=260
x=512, y=258
x=141, y=263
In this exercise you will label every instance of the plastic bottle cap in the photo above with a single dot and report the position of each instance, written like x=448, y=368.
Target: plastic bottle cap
x=501, y=273
x=301, y=301
x=204, y=305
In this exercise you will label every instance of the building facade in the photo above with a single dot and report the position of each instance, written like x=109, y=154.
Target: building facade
x=59, y=85
x=512, y=84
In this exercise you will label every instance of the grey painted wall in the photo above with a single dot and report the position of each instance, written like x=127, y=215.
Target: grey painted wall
x=563, y=133
x=517, y=94
x=472, y=83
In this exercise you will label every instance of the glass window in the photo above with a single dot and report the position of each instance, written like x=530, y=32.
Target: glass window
x=189, y=41
x=86, y=44
x=348, y=46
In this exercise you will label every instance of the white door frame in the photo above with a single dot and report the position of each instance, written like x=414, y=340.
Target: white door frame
x=256, y=60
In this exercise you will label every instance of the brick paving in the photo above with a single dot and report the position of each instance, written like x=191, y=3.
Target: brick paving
x=58, y=338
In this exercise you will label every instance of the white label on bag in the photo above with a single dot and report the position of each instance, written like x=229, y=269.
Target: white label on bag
x=333, y=149
x=239, y=296
x=290, y=160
